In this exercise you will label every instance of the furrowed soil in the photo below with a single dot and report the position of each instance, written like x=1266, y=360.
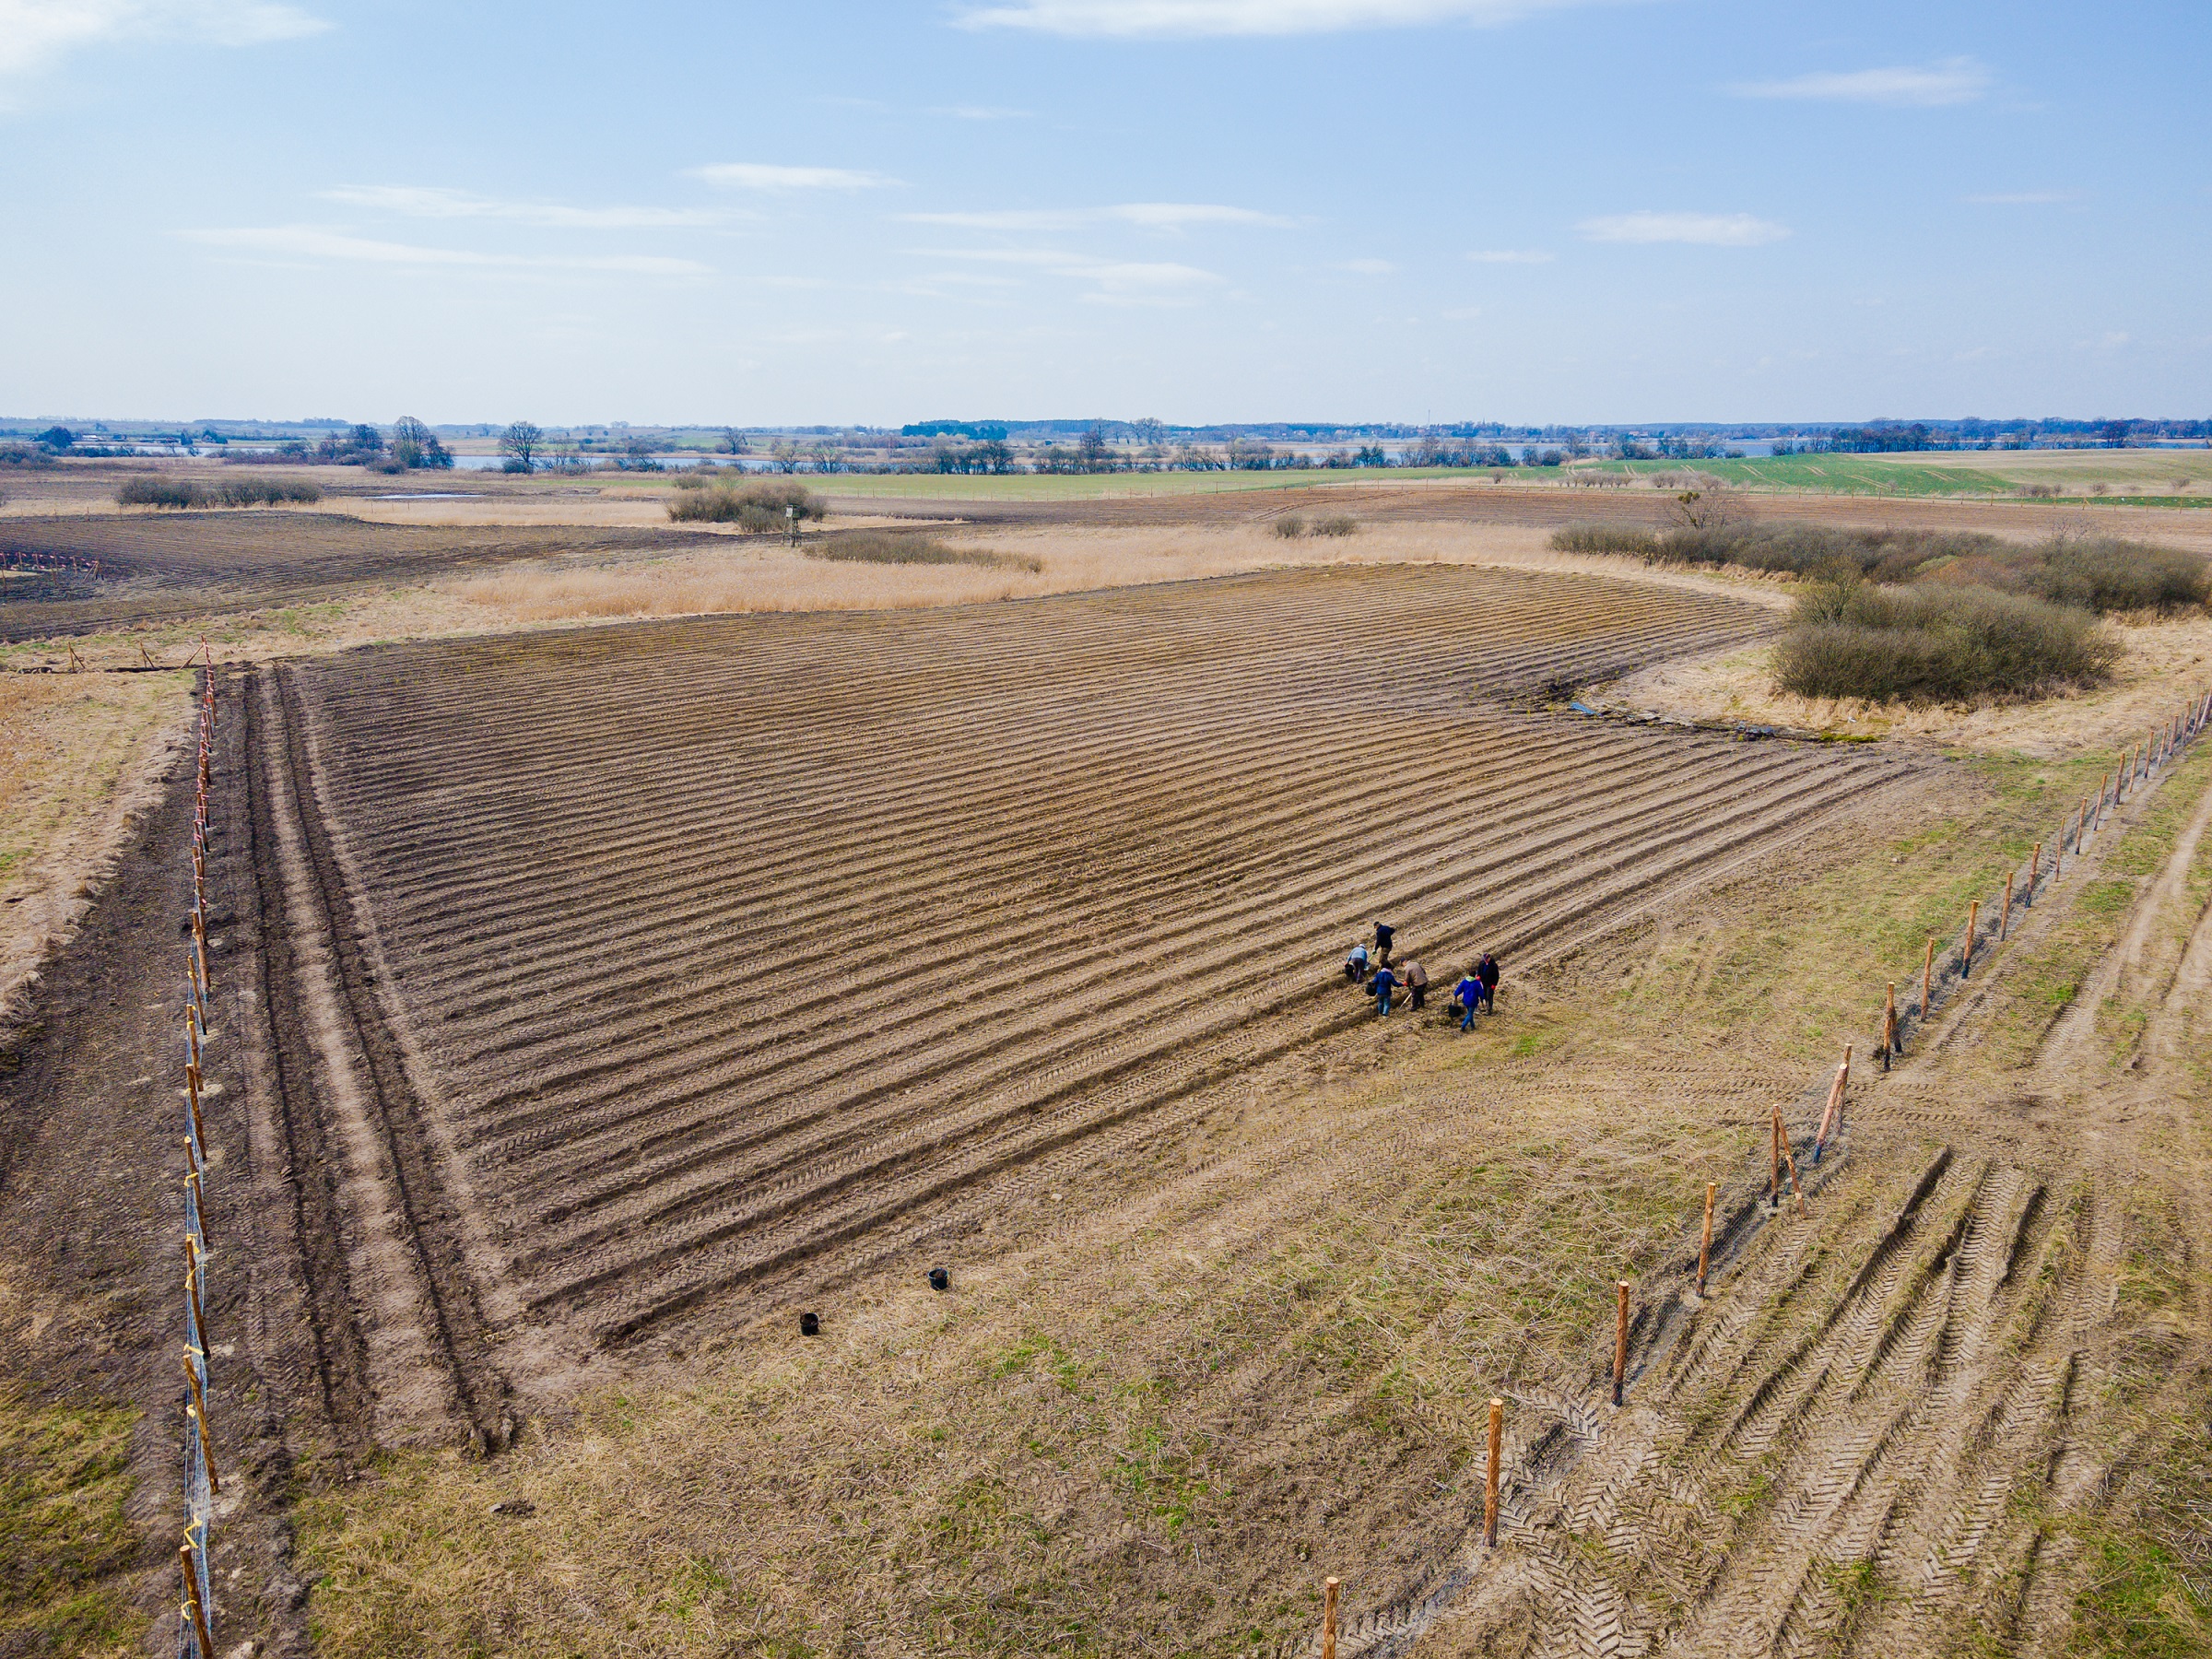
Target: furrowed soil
x=594, y=1002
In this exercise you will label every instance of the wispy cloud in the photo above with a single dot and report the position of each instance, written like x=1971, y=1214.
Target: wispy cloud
x=1137, y=19
x=307, y=241
x=429, y=202
x=1511, y=257
x=979, y=112
x=1116, y=282
x=1705, y=230
x=1951, y=81
x=1149, y=215
x=761, y=175
x=36, y=33
x=2025, y=198
x=1366, y=268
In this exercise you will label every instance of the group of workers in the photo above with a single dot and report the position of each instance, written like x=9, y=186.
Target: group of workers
x=1372, y=972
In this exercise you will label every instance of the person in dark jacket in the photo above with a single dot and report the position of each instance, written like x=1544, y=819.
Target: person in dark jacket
x=1487, y=971
x=1384, y=933
x=1381, y=987
x=1417, y=982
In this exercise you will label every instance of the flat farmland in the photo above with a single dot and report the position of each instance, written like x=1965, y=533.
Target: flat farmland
x=736, y=958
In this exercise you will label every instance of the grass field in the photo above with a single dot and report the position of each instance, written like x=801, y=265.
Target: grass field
x=2134, y=477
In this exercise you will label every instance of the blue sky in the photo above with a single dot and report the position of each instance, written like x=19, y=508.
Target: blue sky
x=726, y=211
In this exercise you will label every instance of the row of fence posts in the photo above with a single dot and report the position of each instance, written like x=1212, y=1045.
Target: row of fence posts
x=2138, y=764
x=195, y=1637
x=48, y=561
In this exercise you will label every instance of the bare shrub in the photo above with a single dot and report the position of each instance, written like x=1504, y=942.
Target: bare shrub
x=767, y=505
x=1290, y=526
x=1605, y=538
x=263, y=492
x=1938, y=644
x=159, y=492
x=890, y=547
x=1336, y=524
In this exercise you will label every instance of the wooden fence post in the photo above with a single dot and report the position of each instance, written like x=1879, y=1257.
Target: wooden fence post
x=1835, y=1110
x=198, y=1411
x=1328, y=1618
x=1620, y=1345
x=1974, y=921
x=2035, y=869
x=1490, y=1503
x=1705, y=1243
x=2005, y=921
x=1774, y=1175
x=1890, y=1026
x=191, y=1600
x=1927, y=978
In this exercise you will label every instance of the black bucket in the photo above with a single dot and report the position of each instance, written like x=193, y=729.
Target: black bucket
x=810, y=1324
x=939, y=1279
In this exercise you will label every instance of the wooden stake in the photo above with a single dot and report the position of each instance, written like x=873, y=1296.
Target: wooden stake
x=1620, y=1345
x=1705, y=1243
x=192, y=1093
x=191, y=1287
x=199, y=1410
x=2035, y=868
x=1889, y=1025
x=1796, y=1191
x=1774, y=1176
x=1328, y=1618
x=1835, y=1108
x=192, y=1602
x=1927, y=978
x=1974, y=921
x=1490, y=1501
x=2005, y=921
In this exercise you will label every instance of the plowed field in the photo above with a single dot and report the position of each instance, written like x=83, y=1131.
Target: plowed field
x=739, y=955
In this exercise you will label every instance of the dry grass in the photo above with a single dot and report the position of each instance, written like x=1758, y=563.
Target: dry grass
x=751, y=577
x=79, y=754
x=2164, y=664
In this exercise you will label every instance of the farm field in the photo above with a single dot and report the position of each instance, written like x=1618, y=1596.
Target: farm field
x=592, y=1001
x=786, y=946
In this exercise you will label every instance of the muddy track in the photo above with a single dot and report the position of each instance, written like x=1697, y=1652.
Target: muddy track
x=432, y=1234
x=311, y=1163
x=745, y=952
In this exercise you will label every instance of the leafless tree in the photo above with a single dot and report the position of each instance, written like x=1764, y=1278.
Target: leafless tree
x=520, y=444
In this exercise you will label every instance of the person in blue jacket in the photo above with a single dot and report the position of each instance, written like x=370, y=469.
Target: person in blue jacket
x=1355, y=965
x=1381, y=987
x=1468, y=993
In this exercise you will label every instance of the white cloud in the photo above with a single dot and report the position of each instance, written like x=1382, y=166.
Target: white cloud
x=306, y=242
x=1952, y=81
x=1149, y=215
x=2025, y=198
x=761, y=175
x=35, y=33
x=1116, y=282
x=1366, y=268
x=1134, y=19
x=1706, y=229
x=1511, y=257
x=429, y=202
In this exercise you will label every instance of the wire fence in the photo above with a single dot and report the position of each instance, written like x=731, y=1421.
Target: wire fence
x=195, y=1638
